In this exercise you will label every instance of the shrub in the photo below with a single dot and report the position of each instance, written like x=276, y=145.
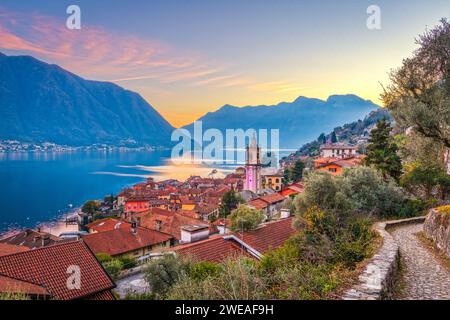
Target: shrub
x=245, y=218
x=128, y=262
x=103, y=257
x=305, y=282
x=162, y=273
x=358, y=190
x=113, y=267
x=203, y=270
x=415, y=207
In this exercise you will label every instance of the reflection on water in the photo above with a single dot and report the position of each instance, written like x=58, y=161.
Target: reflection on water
x=39, y=187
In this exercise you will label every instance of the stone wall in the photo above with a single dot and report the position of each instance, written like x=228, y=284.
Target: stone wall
x=437, y=228
x=378, y=278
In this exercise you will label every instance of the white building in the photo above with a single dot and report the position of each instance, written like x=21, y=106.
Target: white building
x=337, y=151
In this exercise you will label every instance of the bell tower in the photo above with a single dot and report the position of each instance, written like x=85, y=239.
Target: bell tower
x=253, y=167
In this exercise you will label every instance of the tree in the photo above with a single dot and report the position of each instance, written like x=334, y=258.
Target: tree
x=322, y=139
x=162, y=273
x=333, y=137
x=296, y=172
x=245, y=218
x=419, y=93
x=382, y=151
x=230, y=201
x=421, y=180
x=90, y=207
x=360, y=190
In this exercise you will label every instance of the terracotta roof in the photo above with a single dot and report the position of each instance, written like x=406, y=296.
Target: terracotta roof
x=272, y=198
x=214, y=249
x=265, y=201
x=120, y=241
x=47, y=267
x=11, y=285
x=6, y=249
x=107, y=225
x=171, y=221
x=287, y=192
x=258, y=203
x=31, y=239
x=267, y=236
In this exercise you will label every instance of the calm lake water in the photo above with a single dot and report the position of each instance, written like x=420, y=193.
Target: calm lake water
x=39, y=187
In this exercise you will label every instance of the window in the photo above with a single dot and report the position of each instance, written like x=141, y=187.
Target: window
x=277, y=180
x=332, y=170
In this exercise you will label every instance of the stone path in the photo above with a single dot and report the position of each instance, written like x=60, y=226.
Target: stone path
x=424, y=277
x=133, y=284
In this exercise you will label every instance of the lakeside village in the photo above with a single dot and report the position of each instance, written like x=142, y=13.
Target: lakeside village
x=151, y=218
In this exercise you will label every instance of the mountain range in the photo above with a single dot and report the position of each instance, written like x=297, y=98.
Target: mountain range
x=298, y=122
x=40, y=102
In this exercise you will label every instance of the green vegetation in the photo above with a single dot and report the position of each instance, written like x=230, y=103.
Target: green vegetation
x=230, y=201
x=382, y=151
x=245, y=218
x=426, y=180
x=295, y=173
x=13, y=296
x=115, y=265
x=90, y=207
x=162, y=273
x=419, y=94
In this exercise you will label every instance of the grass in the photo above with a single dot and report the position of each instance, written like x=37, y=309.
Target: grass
x=351, y=277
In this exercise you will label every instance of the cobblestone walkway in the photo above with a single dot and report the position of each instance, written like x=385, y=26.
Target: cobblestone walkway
x=424, y=277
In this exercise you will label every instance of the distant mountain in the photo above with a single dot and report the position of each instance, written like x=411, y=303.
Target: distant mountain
x=41, y=102
x=355, y=133
x=299, y=121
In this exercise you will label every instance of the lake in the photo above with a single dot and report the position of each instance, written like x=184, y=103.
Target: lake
x=38, y=188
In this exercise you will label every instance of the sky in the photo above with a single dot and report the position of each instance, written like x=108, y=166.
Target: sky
x=190, y=57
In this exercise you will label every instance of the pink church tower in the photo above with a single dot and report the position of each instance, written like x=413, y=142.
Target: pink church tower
x=253, y=167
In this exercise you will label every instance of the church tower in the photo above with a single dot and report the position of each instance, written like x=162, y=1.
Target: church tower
x=253, y=167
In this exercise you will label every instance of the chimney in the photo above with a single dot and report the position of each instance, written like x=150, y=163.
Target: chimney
x=133, y=227
x=158, y=224
x=285, y=213
x=45, y=239
x=194, y=232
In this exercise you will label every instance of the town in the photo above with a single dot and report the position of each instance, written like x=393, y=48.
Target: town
x=153, y=218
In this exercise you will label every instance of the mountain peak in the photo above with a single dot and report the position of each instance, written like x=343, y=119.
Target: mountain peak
x=63, y=108
x=345, y=98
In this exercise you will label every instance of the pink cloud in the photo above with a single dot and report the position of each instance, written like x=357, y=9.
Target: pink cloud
x=96, y=53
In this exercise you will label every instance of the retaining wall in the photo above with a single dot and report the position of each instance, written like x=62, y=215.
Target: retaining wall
x=378, y=278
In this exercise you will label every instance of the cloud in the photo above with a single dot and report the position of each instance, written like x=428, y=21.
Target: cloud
x=96, y=53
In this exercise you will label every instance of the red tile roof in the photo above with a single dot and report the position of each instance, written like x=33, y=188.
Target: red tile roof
x=107, y=225
x=31, y=239
x=6, y=249
x=270, y=235
x=272, y=198
x=47, y=267
x=171, y=221
x=10, y=285
x=258, y=203
x=214, y=249
x=120, y=241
